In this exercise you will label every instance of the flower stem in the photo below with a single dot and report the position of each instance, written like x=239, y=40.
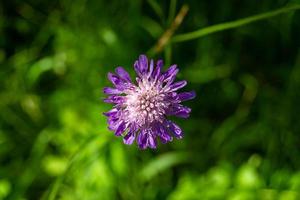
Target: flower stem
x=166, y=36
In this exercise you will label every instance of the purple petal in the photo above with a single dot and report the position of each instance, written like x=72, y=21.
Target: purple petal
x=116, y=80
x=176, y=130
x=113, y=123
x=184, y=96
x=111, y=113
x=171, y=96
x=177, y=85
x=123, y=74
x=142, y=139
x=170, y=74
x=185, y=113
x=160, y=64
x=114, y=99
x=109, y=90
x=161, y=78
x=179, y=111
x=141, y=65
x=150, y=68
x=164, y=135
x=137, y=68
x=171, y=70
x=157, y=69
x=129, y=138
x=143, y=61
x=121, y=128
x=151, y=142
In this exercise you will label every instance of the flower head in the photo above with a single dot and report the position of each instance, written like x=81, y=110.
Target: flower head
x=140, y=109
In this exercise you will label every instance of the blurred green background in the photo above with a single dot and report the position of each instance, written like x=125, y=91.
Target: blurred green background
x=242, y=140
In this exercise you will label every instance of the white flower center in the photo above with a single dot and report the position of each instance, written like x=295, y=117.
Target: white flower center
x=145, y=104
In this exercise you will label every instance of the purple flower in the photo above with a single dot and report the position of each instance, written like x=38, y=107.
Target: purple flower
x=140, y=109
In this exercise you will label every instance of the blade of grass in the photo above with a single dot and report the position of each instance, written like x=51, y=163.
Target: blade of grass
x=172, y=11
x=233, y=24
x=168, y=54
x=161, y=163
x=31, y=171
x=157, y=9
x=55, y=187
x=152, y=27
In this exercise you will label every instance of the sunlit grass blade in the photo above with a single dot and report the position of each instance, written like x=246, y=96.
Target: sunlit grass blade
x=152, y=27
x=233, y=24
x=162, y=163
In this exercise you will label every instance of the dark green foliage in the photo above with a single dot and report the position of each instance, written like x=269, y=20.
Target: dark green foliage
x=242, y=140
